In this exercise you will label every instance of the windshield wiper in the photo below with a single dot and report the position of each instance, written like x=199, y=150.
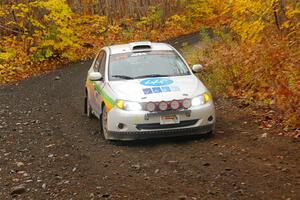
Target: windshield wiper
x=152, y=75
x=123, y=77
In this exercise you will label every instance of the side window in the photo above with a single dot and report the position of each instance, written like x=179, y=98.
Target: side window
x=102, y=64
x=98, y=61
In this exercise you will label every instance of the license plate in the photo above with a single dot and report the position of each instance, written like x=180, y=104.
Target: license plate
x=173, y=119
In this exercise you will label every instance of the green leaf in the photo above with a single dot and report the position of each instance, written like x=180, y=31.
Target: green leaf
x=48, y=53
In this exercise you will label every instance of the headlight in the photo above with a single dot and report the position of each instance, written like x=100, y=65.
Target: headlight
x=201, y=99
x=128, y=105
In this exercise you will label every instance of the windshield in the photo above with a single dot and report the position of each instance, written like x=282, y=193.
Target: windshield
x=146, y=64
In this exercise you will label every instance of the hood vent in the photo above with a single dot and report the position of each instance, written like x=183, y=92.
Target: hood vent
x=140, y=46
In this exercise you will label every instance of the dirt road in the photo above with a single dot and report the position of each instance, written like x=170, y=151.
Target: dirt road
x=50, y=150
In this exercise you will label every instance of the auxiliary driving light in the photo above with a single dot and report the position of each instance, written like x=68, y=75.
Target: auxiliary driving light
x=150, y=106
x=186, y=103
x=175, y=104
x=163, y=106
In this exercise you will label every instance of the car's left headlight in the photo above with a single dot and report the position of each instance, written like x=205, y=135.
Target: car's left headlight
x=201, y=99
x=128, y=105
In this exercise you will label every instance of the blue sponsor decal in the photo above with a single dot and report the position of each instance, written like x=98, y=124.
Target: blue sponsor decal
x=147, y=91
x=175, y=89
x=166, y=89
x=156, y=82
x=156, y=90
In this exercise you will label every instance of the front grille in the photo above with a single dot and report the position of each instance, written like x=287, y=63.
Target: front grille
x=166, y=126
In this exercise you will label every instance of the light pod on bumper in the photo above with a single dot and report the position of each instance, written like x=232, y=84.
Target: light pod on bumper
x=163, y=106
x=175, y=104
x=150, y=106
x=186, y=103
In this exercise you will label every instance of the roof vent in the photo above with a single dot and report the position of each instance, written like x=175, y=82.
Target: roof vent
x=140, y=46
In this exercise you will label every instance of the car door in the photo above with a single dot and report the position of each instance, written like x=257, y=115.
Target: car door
x=99, y=66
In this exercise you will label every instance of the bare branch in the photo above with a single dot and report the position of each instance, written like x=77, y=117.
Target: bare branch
x=9, y=29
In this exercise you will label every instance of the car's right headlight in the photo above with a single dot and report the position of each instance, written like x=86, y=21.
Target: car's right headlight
x=201, y=99
x=129, y=105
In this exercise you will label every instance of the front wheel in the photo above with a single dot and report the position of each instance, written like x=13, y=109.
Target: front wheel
x=87, y=106
x=104, y=123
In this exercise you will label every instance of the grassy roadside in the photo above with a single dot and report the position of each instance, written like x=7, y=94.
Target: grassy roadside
x=262, y=76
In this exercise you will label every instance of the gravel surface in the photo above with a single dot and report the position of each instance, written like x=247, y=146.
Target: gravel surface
x=50, y=150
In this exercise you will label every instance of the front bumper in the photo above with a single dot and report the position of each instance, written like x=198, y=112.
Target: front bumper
x=160, y=134
x=143, y=125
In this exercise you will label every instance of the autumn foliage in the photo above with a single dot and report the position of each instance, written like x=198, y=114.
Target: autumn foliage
x=37, y=36
x=252, y=45
x=255, y=56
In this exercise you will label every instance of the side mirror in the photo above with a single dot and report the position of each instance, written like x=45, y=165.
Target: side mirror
x=197, y=68
x=95, y=76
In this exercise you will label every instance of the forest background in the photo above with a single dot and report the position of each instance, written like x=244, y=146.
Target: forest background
x=252, y=49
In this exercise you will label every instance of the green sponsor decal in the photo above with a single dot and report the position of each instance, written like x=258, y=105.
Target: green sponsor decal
x=104, y=95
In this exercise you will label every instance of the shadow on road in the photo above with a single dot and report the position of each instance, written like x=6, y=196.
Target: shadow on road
x=179, y=140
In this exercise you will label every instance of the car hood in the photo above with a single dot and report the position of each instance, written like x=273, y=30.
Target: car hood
x=158, y=89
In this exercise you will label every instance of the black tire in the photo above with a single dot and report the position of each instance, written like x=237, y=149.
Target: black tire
x=87, y=107
x=103, y=121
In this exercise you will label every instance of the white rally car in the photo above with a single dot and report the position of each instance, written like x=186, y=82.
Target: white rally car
x=143, y=90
